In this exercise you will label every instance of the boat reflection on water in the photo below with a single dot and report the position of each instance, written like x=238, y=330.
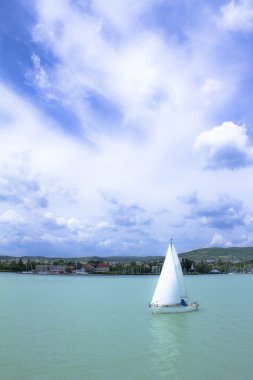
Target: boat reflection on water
x=167, y=338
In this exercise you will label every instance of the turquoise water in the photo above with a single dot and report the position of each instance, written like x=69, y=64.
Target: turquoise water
x=71, y=328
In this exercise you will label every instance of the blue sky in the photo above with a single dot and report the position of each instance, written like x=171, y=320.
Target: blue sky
x=123, y=124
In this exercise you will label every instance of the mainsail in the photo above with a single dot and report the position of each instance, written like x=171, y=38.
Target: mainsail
x=170, y=288
x=180, y=276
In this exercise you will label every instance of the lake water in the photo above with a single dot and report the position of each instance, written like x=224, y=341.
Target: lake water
x=100, y=328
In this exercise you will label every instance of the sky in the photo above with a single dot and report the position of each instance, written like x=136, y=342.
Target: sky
x=124, y=124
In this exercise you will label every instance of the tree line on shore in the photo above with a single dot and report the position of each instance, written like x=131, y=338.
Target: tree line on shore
x=131, y=268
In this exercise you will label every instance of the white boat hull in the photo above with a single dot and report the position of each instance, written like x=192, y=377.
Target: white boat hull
x=164, y=309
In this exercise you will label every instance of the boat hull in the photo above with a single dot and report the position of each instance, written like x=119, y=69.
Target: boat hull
x=164, y=309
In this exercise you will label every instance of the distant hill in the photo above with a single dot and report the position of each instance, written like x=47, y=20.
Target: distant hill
x=197, y=255
x=123, y=259
x=5, y=257
x=237, y=253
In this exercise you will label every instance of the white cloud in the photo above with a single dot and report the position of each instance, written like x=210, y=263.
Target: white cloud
x=121, y=15
x=40, y=75
x=12, y=217
x=217, y=240
x=245, y=240
x=225, y=146
x=107, y=243
x=153, y=84
x=220, y=240
x=210, y=89
x=220, y=212
x=159, y=89
x=50, y=238
x=249, y=220
x=237, y=15
x=103, y=225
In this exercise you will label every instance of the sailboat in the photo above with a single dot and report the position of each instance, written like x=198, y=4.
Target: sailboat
x=170, y=295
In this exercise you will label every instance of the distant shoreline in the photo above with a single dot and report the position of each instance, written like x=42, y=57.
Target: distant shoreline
x=117, y=275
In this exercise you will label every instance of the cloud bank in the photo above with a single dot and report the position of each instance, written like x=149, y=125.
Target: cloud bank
x=111, y=114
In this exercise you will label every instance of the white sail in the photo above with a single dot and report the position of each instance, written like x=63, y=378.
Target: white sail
x=170, y=288
x=180, y=276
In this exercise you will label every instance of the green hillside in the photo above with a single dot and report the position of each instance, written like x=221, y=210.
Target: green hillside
x=126, y=259
x=236, y=253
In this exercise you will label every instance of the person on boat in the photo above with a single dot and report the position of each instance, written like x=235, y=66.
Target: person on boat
x=183, y=303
